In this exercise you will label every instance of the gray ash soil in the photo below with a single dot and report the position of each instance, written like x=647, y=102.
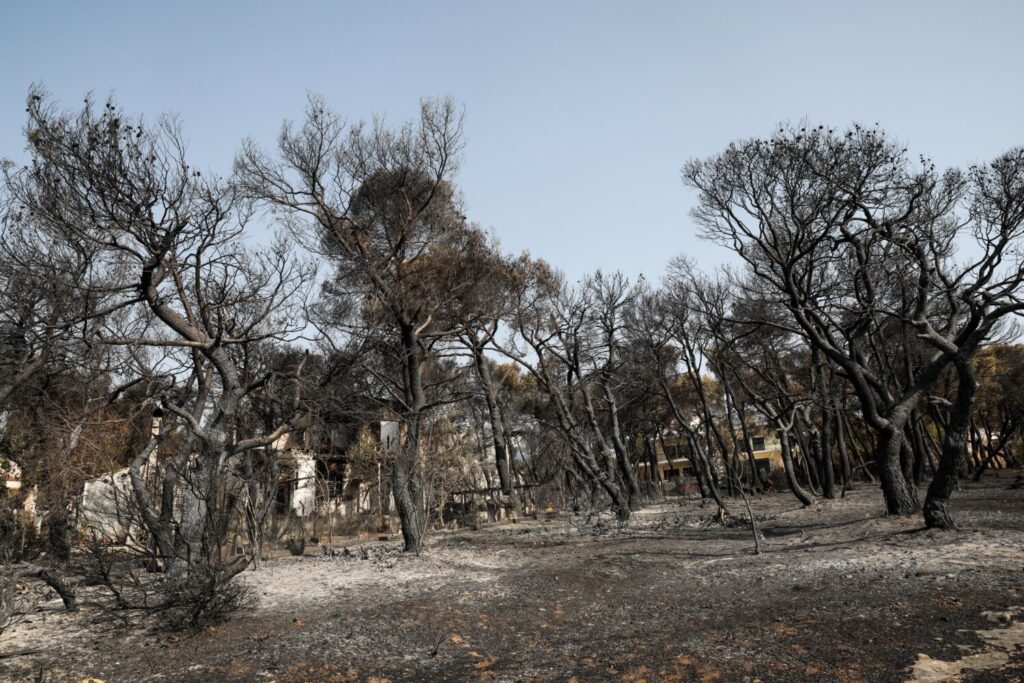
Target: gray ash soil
x=841, y=593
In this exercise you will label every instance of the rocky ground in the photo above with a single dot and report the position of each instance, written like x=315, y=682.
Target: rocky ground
x=840, y=593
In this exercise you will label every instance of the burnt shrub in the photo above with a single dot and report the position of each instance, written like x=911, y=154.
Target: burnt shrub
x=139, y=593
x=201, y=597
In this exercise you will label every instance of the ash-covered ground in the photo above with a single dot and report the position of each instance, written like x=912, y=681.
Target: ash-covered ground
x=840, y=593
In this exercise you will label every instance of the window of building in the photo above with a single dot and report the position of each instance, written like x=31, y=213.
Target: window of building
x=757, y=443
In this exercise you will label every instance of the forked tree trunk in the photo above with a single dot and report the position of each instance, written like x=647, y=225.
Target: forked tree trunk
x=194, y=500
x=629, y=477
x=604, y=478
x=900, y=493
x=622, y=452
x=613, y=477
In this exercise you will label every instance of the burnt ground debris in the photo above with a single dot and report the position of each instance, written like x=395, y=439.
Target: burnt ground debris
x=842, y=593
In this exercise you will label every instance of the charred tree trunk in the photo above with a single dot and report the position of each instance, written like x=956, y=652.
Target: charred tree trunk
x=195, y=498
x=159, y=525
x=954, y=449
x=699, y=473
x=826, y=469
x=501, y=453
x=621, y=451
x=859, y=448
x=731, y=407
x=652, y=459
x=807, y=447
x=900, y=494
x=755, y=476
x=704, y=471
x=407, y=473
x=711, y=432
x=699, y=457
x=790, y=469
x=407, y=488
x=844, y=457
x=918, y=447
x=906, y=457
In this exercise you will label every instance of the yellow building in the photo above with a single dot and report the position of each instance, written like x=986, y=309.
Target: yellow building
x=673, y=463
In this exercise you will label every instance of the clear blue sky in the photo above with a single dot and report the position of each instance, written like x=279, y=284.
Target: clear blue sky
x=579, y=114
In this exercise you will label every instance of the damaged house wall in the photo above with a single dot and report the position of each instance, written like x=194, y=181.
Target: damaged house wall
x=106, y=506
x=319, y=483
